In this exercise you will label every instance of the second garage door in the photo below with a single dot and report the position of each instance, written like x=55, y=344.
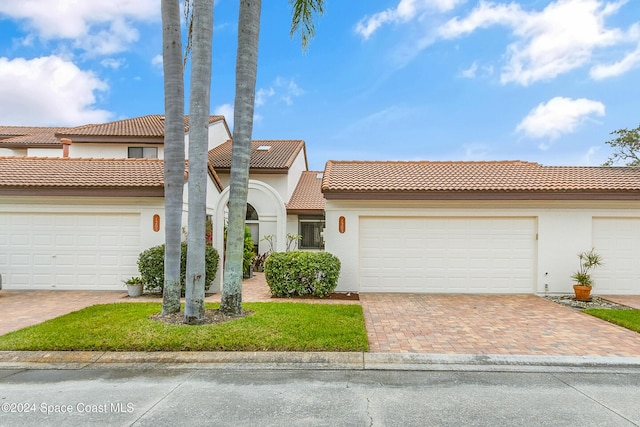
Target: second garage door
x=618, y=241
x=447, y=255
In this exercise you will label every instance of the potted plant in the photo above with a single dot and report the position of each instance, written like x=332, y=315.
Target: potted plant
x=134, y=286
x=588, y=261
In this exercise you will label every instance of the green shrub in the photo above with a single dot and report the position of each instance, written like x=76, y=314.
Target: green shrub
x=248, y=254
x=301, y=273
x=151, y=267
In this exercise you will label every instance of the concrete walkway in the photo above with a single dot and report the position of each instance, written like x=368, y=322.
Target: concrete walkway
x=405, y=323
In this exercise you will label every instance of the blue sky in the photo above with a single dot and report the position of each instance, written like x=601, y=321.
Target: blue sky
x=535, y=80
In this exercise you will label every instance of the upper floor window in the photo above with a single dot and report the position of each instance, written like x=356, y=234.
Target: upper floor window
x=143, y=152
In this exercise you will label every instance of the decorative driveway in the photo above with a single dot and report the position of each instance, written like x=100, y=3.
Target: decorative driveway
x=490, y=324
x=404, y=323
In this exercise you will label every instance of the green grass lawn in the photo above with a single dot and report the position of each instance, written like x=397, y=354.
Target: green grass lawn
x=127, y=327
x=629, y=319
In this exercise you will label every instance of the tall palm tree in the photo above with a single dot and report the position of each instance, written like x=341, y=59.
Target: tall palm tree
x=198, y=143
x=246, y=72
x=173, y=151
x=302, y=18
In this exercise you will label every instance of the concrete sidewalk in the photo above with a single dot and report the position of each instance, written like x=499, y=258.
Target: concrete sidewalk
x=17, y=360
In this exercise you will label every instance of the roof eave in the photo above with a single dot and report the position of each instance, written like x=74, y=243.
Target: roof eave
x=297, y=211
x=482, y=195
x=155, y=191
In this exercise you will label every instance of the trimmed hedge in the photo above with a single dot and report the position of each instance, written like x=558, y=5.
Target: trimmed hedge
x=151, y=267
x=301, y=273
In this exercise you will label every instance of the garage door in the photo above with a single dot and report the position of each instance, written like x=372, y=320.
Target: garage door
x=68, y=251
x=618, y=241
x=447, y=255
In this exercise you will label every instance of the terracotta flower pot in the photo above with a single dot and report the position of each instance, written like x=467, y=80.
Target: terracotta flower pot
x=583, y=293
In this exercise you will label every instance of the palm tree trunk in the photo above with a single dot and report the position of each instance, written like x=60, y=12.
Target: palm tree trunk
x=198, y=143
x=173, y=151
x=246, y=72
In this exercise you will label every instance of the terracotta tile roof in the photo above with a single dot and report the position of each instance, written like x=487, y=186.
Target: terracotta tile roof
x=308, y=194
x=277, y=155
x=29, y=136
x=500, y=176
x=145, y=126
x=27, y=172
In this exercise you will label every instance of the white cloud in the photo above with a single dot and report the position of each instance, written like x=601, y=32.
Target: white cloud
x=225, y=110
x=112, y=63
x=100, y=27
x=282, y=89
x=405, y=11
x=558, y=116
x=470, y=72
x=262, y=95
x=157, y=61
x=588, y=159
x=630, y=61
x=48, y=91
x=553, y=41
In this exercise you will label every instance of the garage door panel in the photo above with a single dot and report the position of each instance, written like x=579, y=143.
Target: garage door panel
x=470, y=255
x=618, y=241
x=68, y=250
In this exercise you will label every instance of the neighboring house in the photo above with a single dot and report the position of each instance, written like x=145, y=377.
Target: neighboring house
x=481, y=227
x=30, y=141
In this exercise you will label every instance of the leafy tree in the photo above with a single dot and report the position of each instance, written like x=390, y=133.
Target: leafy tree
x=627, y=147
x=173, y=151
x=246, y=72
x=201, y=35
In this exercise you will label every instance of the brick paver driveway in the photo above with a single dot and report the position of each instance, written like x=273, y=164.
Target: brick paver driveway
x=490, y=324
x=436, y=324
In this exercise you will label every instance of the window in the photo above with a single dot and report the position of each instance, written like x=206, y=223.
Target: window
x=143, y=153
x=252, y=214
x=311, y=228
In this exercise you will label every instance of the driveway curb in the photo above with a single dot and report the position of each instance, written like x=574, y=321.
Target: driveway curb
x=314, y=360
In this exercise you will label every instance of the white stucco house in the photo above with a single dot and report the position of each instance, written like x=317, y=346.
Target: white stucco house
x=78, y=205
x=481, y=227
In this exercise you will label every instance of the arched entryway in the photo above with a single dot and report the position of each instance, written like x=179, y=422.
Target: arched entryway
x=270, y=218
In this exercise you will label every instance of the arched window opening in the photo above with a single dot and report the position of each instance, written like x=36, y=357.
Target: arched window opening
x=252, y=214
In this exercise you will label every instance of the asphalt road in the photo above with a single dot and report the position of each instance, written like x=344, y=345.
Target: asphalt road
x=197, y=397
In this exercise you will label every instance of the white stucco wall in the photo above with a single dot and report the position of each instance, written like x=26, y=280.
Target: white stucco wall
x=106, y=150
x=295, y=171
x=10, y=152
x=44, y=152
x=564, y=230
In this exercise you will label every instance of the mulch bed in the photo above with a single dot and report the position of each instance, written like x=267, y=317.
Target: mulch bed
x=351, y=296
x=595, y=302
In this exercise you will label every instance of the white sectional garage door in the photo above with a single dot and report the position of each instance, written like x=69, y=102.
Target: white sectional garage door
x=618, y=241
x=68, y=250
x=447, y=255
